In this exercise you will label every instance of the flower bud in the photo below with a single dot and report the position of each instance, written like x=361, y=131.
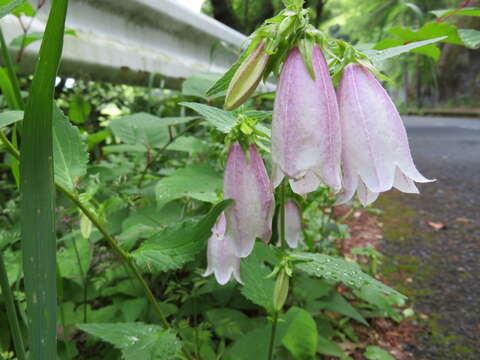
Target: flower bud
x=280, y=292
x=375, y=151
x=247, y=183
x=221, y=255
x=306, y=141
x=246, y=78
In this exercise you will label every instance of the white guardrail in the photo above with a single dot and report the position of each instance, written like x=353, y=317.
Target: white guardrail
x=124, y=41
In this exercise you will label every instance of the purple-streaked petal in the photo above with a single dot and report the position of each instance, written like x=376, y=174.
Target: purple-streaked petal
x=221, y=258
x=305, y=184
x=374, y=139
x=293, y=224
x=247, y=183
x=305, y=128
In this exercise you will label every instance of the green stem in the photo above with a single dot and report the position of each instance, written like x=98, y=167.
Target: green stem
x=11, y=72
x=273, y=335
x=11, y=312
x=125, y=256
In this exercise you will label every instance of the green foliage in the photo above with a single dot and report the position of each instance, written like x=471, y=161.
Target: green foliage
x=137, y=340
x=10, y=117
x=221, y=119
x=376, y=353
x=301, y=336
x=177, y=244
x=199, y=182
x=70, y=155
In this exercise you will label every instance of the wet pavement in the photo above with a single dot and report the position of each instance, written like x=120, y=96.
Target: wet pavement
x=432, y=245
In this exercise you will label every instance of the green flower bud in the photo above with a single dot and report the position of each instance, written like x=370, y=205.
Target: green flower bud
x=281, y=290
x=246, y=78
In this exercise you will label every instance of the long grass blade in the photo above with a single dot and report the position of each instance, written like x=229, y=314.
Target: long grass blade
x=38, y=192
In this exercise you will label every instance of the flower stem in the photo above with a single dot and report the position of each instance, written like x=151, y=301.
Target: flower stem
x=273, y=335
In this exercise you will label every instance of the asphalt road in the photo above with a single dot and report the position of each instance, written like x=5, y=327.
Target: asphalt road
x=442, y=266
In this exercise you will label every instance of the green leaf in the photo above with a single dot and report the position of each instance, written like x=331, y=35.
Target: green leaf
x=429, y=31
x=337, y=303
x=327, y=347
x=10, y=117
x=70, y=154
x=178, y=244
x=38, y=192
x=461, y=12
x=376, y=353
x=253, y=345
x=79, y=109
x=380, y=55
x=429, y=50
x=8, y=90
x=137, y=340
x=189, y=144
x=228, y=323
x=141, y=129
x=198, y=85
x=301, y=336
x=7, y=6
x=257, y=288
x=72, y=265
x=339, y=270
x=196, y=181
x=470, y=37
x=223, y=120
x=25, y=40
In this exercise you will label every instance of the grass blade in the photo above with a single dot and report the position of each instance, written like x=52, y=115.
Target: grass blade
x=11, y=312
x=38, y=192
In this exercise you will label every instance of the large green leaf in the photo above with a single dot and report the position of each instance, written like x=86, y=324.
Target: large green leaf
x=228, y=323
x=470, y=37
x=197, y=181
x=339, y=270
x=335, y=302
x=223, y=120
x=6, y=6
x=10, y=117
x=137, y=340
x=198, y=85
x=253, y=345
x=175, y=245
x=301, y=335
x=70, y=155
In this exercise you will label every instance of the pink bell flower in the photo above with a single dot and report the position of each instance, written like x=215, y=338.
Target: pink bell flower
x=306, y=138
x=221, y=258
x=375, y=151
x=248, y=184
x=293, y=224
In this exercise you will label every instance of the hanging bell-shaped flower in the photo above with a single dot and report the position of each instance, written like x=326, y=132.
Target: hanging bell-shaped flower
x=306, y=141
x=250, y=216
x=221, y=258
x=246, y=78
x=375, y=151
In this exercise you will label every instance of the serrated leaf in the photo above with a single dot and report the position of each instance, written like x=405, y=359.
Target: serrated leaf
x=301, y=335
x=339, y=270
x=198, y=85
x=145, y=129
x=137, y=340
x=70, y=154
x=178, y=244
x=10, y=117
x=197, y=181
x=470, y=37
x=223, y=120
x=228, y=323
x=257, y=288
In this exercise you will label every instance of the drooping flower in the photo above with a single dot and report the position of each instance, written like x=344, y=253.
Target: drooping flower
x=246, y=182
x=375, y=150
x=293, y=224
x=306, y=140
x=221, y=258
x=246, y=78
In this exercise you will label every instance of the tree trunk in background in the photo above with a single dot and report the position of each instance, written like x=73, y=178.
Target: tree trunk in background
x=459, y=70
